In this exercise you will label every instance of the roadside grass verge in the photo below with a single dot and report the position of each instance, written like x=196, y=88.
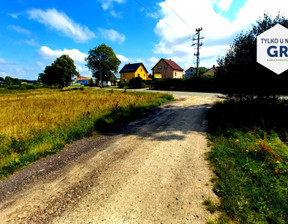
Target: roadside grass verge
x=37, y=123
x=250, y=158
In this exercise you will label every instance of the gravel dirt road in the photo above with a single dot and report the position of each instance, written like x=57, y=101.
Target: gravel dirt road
x=151, y=170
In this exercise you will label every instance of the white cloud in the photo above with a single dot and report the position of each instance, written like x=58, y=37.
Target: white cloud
x=175, y=36
x=62, y=23
x=31, y=42
x=4, y=74
x=122, y=58
x=20, y=72
x=112, y=35
x=109, y=4
x=4, y=62
x=19, y=29
x=49, y=54
x=253, y=9
x=14, y=15
x=153, y=60
x=223, y=4
x=40, y=64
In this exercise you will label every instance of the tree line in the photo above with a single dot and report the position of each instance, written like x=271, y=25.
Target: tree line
x=101, y=61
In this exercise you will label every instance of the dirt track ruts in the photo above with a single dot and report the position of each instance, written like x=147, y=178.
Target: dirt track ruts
x=151, y=170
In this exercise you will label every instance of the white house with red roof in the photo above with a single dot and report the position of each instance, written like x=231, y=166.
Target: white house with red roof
x=168, y=69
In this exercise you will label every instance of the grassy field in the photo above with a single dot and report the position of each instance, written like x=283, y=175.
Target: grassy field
x=35, y=123
x=250, y=158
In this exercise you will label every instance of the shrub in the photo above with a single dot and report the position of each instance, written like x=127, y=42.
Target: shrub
x=136, y=83
x=13, y=87
x=198, y=84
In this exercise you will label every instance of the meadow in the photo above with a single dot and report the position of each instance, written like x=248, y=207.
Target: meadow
x=249, y=155
x=36, y=123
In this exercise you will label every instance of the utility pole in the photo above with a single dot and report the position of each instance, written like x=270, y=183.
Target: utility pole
x=198, y=44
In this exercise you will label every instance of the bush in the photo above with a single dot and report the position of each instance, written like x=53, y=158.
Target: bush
x=32, y=86
x=24, y=87
x=123, y=85
x=136, y=83
x=13, y=87
x=199, y=84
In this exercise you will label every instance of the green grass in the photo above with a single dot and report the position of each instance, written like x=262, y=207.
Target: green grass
x=211, y=206
x=250, y=159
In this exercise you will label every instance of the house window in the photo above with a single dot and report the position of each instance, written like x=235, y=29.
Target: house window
x=123, y=75
x=159, y=68
x=138, y=75
x=141, y=69
x=165, y=67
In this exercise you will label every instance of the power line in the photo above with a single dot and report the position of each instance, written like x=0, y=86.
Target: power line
x=179, y=17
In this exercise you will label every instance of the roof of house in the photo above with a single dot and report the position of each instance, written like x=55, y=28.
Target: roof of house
x=191, y=68
x=210, y=71
x=171, y=63
x=132, y=67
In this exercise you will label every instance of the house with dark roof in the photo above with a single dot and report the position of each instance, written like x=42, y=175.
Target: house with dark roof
x=190, y=72
x=130, y=71
x=168, y=69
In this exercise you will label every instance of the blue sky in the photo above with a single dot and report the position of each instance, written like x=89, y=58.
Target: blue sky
x=34, y=33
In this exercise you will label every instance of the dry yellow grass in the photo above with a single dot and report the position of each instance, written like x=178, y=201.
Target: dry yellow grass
x=44, y=109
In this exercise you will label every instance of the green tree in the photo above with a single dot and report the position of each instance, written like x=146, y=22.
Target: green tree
x=9, y=81
x=239, y=75
x=60, y=72
x=202, y=70
x=102, y=61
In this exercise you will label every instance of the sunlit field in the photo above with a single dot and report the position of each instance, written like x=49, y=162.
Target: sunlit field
x=35, y=123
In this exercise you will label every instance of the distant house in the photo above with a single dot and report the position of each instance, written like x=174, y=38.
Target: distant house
x=168, y=69
x=130, y=71
x=82, y=81
x=210, y=71
x=190, y=72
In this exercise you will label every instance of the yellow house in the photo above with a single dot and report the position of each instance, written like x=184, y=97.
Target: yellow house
x=130, y=71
